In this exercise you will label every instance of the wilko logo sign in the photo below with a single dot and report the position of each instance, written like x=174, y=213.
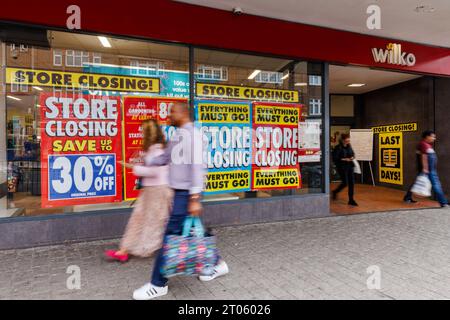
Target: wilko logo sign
x=393, y=54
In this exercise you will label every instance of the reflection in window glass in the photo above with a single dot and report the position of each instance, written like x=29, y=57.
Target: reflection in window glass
x=255, y=135
x=56, y=155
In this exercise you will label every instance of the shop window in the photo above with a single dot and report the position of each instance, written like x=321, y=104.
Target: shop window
x=57, y=58
x=64, y=161
x=212, y=73
x=315, y=80
x=246, y=109
x=315, y=107
x=76, y=58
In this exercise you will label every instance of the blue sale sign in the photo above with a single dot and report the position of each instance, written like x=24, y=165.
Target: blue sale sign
x=81, y=176
x=226, y=127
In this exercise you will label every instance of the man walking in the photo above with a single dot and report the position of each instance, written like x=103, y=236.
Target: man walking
x=187, y=178
x=427, y=164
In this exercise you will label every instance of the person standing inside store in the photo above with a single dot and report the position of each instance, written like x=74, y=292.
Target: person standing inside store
x=427, y=164
x=343, y=157
x=143, y=236
x=187, y=178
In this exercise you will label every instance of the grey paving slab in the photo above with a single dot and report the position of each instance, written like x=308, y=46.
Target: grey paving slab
x=324, y=259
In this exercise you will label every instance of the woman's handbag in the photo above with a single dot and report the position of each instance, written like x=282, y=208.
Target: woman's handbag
x=357, y=167
x=190, y=253
x=422, y=186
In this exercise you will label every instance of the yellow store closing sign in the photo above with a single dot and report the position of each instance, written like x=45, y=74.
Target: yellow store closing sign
x=403, y=127
x=391, y=158
x=47, y=78
x=208, y=90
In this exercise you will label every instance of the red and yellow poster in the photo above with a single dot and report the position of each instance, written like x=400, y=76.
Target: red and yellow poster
x=80, y=148
x=137, y=110
x=276, y=146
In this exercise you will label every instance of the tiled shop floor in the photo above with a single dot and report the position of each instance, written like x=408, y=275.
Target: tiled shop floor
x=310, y=259
x=376, y=199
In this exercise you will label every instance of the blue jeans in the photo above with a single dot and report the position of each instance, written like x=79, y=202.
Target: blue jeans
x=434, y=179
x=437, y=187
x=174, y=227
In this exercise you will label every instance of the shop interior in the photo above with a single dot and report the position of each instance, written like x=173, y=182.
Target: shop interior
x=360, y=98
x=363, y=98
x=90, y=54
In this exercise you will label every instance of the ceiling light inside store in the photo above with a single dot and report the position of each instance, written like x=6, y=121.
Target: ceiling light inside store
x=38, y=88
x=356, y=85
x=301, y=84
x=285, y=76
x=254, y=74
x=14, y=98
x=105, y=42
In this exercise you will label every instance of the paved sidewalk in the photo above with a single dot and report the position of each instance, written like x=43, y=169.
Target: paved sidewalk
x=309, y=259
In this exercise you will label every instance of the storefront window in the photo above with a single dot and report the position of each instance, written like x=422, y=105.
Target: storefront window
x=74, y=110
x=262, y=138
x=4, y=212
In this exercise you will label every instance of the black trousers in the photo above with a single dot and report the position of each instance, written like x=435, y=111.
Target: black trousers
x=347, y=175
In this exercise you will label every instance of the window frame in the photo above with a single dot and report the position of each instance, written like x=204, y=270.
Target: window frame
x=60, y=56
x=83, y=57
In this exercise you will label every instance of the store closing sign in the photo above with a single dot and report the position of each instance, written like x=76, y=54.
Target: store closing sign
x=226, y=130
x=276, y=146
x=136, y=111
x=80, y=148
x=208, y=90
x=391, y=158
x=47, y=78
x=404, y=127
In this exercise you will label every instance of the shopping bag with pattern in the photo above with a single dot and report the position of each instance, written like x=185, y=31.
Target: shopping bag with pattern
x=189, y=253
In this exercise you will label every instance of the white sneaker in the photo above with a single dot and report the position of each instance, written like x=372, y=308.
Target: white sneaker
x=218, y=271
x=149, y=292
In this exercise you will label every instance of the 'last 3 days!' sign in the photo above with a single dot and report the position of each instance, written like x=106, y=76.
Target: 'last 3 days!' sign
x=391, y=158
x=81, y=144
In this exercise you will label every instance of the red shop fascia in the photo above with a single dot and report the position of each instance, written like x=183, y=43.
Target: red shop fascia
x=177, y=22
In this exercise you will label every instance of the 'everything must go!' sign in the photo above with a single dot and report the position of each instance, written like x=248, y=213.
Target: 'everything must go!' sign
x=250, y=146
x=276, y=146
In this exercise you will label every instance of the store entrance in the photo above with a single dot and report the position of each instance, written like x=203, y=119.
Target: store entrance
x=383, y=114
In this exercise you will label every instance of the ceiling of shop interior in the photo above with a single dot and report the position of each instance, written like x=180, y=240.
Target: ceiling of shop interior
x=399, y=18
x=342, y=76
x=119, y=46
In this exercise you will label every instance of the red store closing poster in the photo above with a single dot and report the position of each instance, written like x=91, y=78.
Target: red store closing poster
x=80, y=147
x=276, y=146
x=137, y=110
